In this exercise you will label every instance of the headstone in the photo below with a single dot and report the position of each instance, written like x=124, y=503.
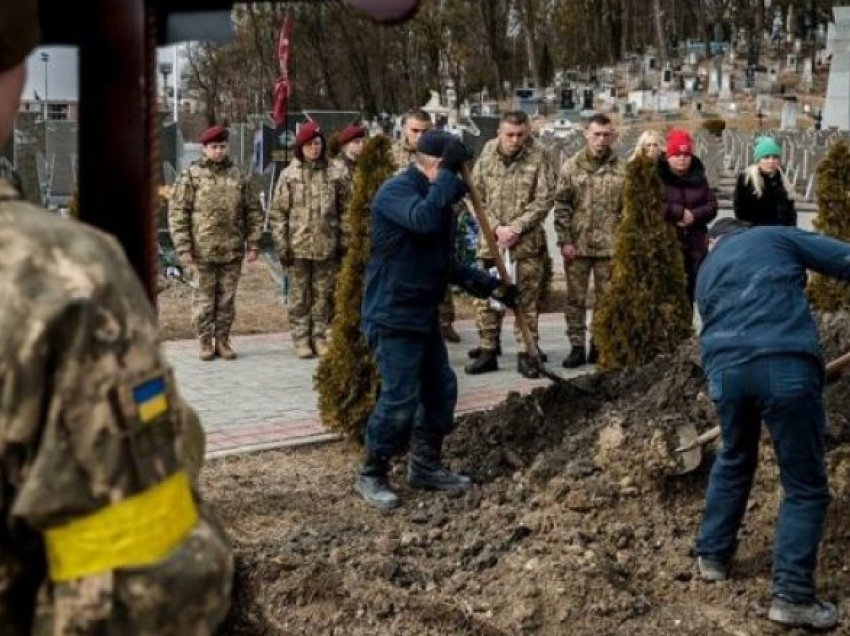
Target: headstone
x=788, y=118
x=587, y=102
x=807, y=78
x=567, y=102
x=836, y=110
x=726, y=85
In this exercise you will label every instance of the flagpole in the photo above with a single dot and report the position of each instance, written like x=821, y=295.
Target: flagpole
x=176, y=65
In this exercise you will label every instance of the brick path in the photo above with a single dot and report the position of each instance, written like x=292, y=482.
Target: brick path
x=265, y=398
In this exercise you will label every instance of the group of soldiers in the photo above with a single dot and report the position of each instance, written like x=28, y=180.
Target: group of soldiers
x=216, y=222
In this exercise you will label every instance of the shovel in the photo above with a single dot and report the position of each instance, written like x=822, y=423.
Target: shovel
x=519, y=316
x=691, y=442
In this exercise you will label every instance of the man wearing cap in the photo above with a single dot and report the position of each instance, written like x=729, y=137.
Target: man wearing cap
x=761, y=354
x=412, y=261
x=216, y=221
x=306, y=223
x=414, y=124
x=516, y=182
x=588, y=209
x=101, y=527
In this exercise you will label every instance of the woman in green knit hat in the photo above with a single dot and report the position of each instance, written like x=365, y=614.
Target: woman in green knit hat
x=763, y=194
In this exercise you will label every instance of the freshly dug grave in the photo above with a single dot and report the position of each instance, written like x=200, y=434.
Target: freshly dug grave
x=577, y=525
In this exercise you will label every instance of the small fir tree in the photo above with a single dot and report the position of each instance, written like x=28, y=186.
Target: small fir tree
x=347, y=378
x=833, y=219
x=645, y=310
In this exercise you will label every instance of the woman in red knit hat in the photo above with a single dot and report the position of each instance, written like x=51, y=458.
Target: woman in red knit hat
x=690, y=204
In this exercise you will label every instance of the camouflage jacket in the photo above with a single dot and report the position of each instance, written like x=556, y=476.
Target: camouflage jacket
x=214, y=212
x=306, y=212
x=516, y=191
x=589, y=204
x=96, y=506
x=403, y=156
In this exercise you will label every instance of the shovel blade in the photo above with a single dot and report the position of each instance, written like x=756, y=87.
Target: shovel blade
x=689, y=460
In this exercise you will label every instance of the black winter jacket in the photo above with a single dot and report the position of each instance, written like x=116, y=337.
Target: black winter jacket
x=774, y=207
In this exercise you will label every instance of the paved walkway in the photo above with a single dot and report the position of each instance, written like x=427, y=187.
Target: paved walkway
x=265, y=398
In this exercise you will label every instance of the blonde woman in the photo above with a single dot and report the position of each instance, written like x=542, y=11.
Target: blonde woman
x=763, y=195
x=650, y=144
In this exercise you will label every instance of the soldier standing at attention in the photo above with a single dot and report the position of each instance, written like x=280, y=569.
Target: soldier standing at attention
x=516, y=182
x=214, y=214
x=101, y=528
x=414, y=124
x=306, y=222
x=588, y=209
x=351, y=139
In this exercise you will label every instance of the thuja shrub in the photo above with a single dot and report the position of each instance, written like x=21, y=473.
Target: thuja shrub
x=347, y=378
x=645, y=310
x=833, y=219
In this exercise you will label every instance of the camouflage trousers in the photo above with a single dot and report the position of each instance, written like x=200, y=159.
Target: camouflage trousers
x=311, y=292
x=447, y=308
x=530, y=276
x=578, y=278
x=214, y=299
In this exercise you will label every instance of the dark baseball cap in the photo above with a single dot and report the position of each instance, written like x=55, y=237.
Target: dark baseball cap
x=18, y=31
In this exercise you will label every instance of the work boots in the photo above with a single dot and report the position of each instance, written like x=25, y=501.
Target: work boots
x=527, y=366
x=303, y=349
x=449, y=334
x=426, y=471
x=223, y=349
x=486, y=361
x=206, y=352
x=575, y=359
x=374, y=486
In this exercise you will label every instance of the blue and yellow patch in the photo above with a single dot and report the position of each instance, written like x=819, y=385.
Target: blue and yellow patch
x=150, y=399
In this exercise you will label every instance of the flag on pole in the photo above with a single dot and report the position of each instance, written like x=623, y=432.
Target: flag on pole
x=283, y=87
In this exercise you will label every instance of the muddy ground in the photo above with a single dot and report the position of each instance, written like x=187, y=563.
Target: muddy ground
x=576, y=526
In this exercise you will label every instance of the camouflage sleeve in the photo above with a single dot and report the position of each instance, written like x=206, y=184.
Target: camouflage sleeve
x=538, y=208
x=180, y=213
x=479, y=184
x=564, y=201
x=343, y=193
x=279, y=216
x=253, y=215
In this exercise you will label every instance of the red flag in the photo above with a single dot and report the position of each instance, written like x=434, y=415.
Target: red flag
x=282, y=87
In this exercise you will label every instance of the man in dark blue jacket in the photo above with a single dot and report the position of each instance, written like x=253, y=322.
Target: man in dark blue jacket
x=411, y=263
x=763, y=361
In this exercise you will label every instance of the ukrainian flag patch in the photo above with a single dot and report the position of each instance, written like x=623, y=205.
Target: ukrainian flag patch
x=150, y=399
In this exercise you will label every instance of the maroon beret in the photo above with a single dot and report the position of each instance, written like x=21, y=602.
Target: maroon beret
x=214, y=134
x=307, y=132
x=352, y=132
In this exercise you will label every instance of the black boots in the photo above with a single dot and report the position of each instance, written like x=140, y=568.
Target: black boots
x=475, y=352
x=593, y=356
x=426, y=471
x=527, y=366
x=486, y=361
x=374, y=486
x=575, y=359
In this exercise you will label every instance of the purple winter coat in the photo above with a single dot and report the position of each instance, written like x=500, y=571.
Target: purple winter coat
x=689, y=192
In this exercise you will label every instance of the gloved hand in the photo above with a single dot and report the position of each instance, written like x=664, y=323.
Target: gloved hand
x=508, y=295
x=455, y=154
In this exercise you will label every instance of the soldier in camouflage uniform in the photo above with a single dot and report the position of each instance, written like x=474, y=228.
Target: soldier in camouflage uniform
x=414, y=123
x=515, y=180
x=588, y=209
x=306, y=223
x=351, y=139
x=214, y=213
x=101, y=527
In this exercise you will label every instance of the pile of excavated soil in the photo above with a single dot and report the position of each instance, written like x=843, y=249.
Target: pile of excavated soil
x=577, y=525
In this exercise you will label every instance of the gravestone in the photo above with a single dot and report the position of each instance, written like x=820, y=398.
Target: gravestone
x=587, y=102
x=788, y=118
x=726, y=85
x=567, y=101
x=836, y=111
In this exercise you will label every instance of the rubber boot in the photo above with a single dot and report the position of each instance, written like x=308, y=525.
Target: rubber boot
x=206, y=351
x=449, y=334
x=475, y=352
x=223, y=349
x=426, y=471
x=374, y=486
x=575, y=359
x=484, y=363
x=527, y=366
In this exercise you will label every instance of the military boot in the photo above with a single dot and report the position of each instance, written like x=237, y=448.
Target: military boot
x=223, y=349
x=448, y=332
x=320, y=346
x=374, y=486
x=475, y=352
x=426, y=471
x=484, y=363
x=575, y=359
x=303, y=349
x=527, y=366
x=206, y=351
x=593, y=354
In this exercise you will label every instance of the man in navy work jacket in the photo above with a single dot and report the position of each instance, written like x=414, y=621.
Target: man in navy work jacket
x=412, y=262
x=763, y=360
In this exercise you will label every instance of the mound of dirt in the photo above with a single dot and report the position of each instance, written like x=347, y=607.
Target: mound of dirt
x=577, y=525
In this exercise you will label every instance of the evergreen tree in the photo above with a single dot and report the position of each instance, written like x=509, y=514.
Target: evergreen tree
x=347, y=378
x=833, y=219
x=645, y=310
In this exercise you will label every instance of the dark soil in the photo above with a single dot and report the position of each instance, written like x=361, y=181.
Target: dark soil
x=578, y=524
